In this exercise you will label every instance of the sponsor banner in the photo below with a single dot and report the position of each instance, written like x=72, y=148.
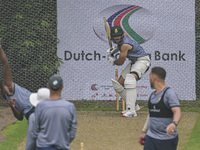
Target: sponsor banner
x=165, y=29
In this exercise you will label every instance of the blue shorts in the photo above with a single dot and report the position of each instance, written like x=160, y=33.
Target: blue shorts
x=156, y=144
x=29, y=113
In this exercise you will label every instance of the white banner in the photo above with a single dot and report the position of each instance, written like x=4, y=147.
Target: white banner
x=165, y=29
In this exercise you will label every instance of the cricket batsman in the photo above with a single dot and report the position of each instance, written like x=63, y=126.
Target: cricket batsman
x=134, y=71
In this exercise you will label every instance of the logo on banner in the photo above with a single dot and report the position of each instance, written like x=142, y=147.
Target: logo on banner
x=137, y=22
x=103, y=91
x=94, y=87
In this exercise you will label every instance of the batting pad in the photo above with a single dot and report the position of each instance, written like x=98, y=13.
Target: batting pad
x=131, y=93
x=119, y=89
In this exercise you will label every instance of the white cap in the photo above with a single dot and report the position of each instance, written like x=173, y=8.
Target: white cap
x=42, y=94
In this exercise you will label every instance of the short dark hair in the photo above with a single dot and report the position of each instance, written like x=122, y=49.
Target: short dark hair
x=159, y=71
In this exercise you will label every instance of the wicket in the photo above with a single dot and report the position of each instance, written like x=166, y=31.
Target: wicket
x=82, y=145
x=117, y=94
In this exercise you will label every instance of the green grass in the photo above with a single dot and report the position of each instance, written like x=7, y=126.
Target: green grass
x=15, y=134
x=193, y=142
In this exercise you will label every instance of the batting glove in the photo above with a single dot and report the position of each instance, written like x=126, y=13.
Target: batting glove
x=112, y=51
x=111, y=60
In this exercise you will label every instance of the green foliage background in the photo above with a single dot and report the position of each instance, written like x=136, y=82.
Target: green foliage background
x=28, y=29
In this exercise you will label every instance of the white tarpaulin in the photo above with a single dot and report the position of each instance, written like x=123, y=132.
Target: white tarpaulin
x=165, y=29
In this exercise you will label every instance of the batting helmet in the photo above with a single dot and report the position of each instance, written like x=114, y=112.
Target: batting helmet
x=116, y=31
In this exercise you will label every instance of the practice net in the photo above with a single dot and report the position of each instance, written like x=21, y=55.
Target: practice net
x=28, y=29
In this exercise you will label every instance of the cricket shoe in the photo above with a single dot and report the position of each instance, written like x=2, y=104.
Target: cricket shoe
x=123, y=112
x=137, y=108
x=129, y=114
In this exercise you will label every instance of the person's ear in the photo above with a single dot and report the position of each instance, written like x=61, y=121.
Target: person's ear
x=48, y=85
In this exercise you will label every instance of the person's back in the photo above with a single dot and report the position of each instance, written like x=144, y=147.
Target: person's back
x=55, y=119
x=136, y=52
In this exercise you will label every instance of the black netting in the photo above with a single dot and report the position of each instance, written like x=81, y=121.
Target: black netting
x=28, y=29
x=197, y=28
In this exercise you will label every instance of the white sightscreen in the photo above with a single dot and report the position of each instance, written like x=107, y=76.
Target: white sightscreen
x=165, y=29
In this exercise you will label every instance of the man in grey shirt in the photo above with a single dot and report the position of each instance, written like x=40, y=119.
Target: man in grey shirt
x=160, y=129
x=55, y=119
x=41, y=95
x=17, y=96
x=134, y=71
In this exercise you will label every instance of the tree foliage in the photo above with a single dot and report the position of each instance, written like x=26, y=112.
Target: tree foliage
x=28, y=29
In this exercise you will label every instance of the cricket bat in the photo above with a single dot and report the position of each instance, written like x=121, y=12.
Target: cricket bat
x=108, y=32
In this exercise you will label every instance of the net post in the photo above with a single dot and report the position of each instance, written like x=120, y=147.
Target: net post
x=117, y=94
x=123, y=102
x=123, y=105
